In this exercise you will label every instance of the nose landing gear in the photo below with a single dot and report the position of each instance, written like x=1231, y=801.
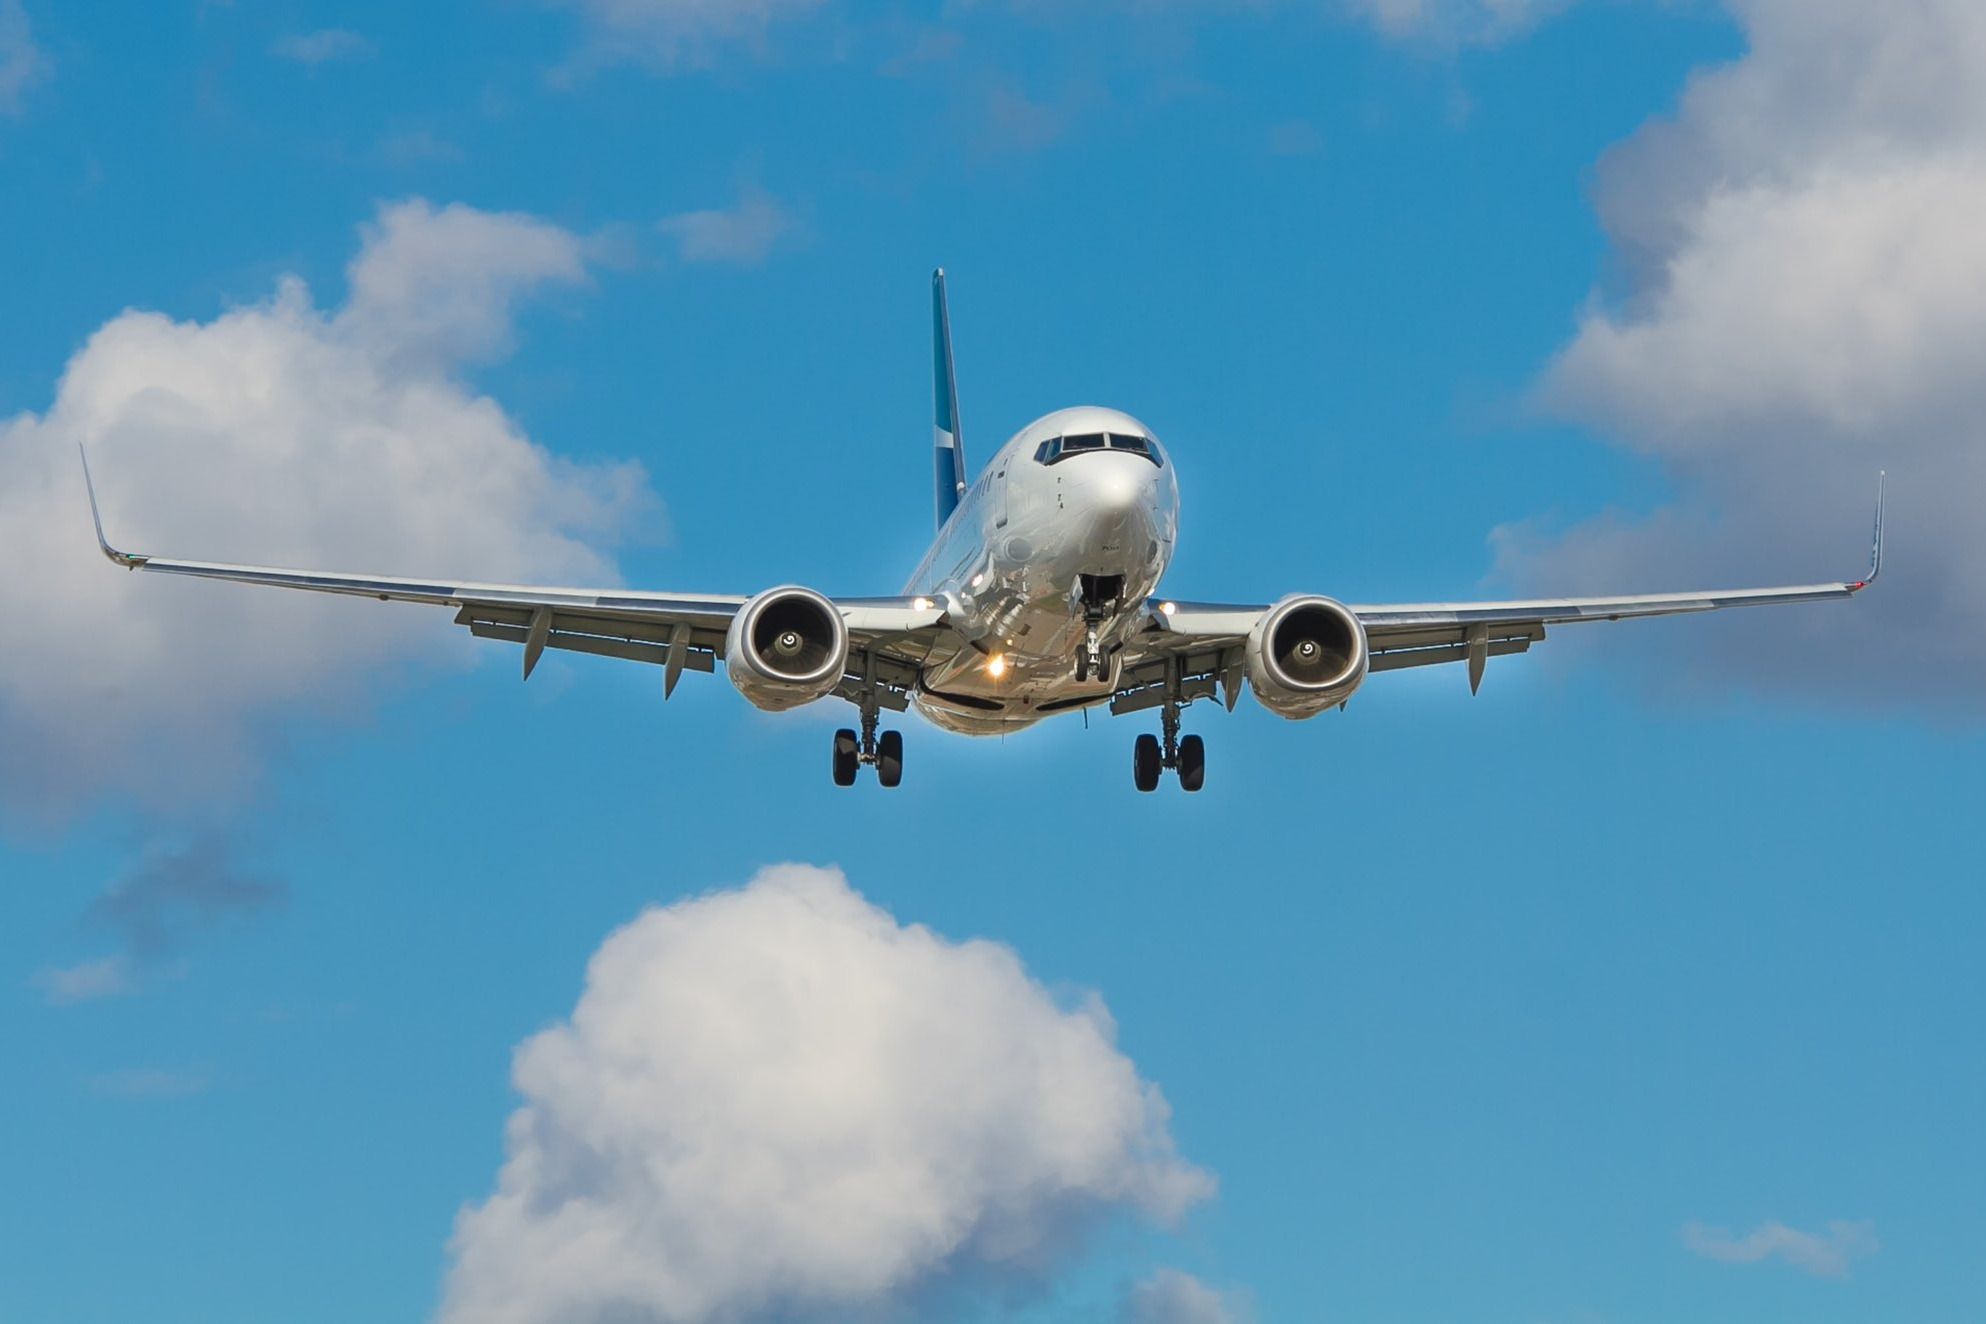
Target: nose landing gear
x=1100, y=596
x=1186, y=755
x=884, y=752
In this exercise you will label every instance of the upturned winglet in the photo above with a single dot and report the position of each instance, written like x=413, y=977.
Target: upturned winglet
x=1876, y=550
x=125, y=559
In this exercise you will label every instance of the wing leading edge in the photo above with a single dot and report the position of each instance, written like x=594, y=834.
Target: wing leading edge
x=1426, y=633
x=677, y=631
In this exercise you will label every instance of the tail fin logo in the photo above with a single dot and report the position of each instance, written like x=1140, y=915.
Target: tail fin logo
x=948, y=457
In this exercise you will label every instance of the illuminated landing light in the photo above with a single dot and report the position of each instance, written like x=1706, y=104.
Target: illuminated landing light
x=1168, y=607
x=979, y=580
x=920, y=604
x=996, y=665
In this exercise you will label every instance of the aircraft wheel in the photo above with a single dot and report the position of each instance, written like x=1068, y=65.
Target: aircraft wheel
x=845, y=761
x=889, y=758
x=1192, y=763
x=1145, y=762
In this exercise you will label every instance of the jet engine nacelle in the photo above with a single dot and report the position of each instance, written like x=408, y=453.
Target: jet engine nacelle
x=1306, y=654
x=786, y=647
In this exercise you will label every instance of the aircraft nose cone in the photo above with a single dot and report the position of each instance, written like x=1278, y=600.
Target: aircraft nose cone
x=1119, y=486
x=1117, y=496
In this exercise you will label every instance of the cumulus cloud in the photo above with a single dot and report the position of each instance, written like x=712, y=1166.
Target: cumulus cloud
x=278, y=433
x=780, y=1102
x=681, y=33
x=743, y=235
x=1172, y=1297
x=22, y=62
x=1804, y=302
x=1823, y=1254
x=322, y=46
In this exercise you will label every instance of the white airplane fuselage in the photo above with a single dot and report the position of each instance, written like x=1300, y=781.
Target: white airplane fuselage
x=1043, y=561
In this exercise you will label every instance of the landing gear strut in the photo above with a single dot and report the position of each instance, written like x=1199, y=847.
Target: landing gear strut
x=1186, y=755
x=882, y=751
x=1090, y=661
x=1100, y=595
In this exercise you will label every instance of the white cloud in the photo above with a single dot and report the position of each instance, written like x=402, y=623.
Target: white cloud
x=1169, y=1296
x=778, y=1101
x=323, y=46
x=678, y=33
x=743, y=235
x=1806, y=294
x=440, y=286
x=1448, y=21
x=22, y=62
x=86, y=981
x=282, y=434
x=1823, y=1254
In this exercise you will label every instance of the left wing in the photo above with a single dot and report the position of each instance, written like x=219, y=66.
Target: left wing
x=677, y=631
x=1199, y=646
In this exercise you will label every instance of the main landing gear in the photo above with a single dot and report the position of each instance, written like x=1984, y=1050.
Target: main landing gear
x=884, y=752
x=1186, y=755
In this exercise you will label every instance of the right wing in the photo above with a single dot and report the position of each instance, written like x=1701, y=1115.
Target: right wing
x=677, y=631
x=1198, y=647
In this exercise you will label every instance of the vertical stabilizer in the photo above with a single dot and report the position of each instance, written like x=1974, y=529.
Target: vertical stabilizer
x=949, y=457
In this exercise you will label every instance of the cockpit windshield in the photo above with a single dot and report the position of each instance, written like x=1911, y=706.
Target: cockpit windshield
x=1057, y=449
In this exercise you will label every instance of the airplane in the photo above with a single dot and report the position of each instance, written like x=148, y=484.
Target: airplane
x=1038, y=596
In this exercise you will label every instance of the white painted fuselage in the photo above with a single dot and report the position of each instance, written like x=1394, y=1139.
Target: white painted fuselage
x=1032, y=544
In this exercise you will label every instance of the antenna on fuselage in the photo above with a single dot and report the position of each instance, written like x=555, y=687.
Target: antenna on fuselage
x=949, y=454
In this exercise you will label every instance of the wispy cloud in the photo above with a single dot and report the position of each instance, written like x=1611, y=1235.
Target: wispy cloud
x=86, y=981
x=22, y=62
x=1295, y=138
x=672, y=34
x=1450, y=22
x=323, y=46
x=744, y=234
x=154, y=911
x=1823, y=1254
x=407, y=148
x=173, y=892
x=1170, y=1296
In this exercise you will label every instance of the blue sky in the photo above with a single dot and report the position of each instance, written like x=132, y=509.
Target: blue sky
x=1474, y=1008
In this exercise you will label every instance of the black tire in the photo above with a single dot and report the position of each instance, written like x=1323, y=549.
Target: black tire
x=845, y=760
x=1192, y=763
x=889, y=758
x=1146, y=762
